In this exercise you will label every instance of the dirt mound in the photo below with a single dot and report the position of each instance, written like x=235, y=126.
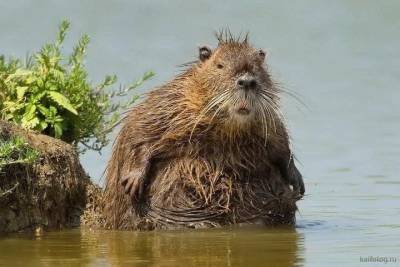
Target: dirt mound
x=93, y=216
x=50, y=194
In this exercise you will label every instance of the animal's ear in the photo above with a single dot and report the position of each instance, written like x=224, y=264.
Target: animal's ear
x=262, y=54
x=204, y=53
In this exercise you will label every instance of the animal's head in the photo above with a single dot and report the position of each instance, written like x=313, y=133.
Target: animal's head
x=239, y=89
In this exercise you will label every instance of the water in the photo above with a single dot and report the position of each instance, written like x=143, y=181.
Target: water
x=193, y=248
x=342, y=57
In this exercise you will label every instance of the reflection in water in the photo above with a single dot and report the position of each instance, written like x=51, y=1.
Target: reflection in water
x=222, y=247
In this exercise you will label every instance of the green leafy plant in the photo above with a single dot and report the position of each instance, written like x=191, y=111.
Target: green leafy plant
x=50, y=93
x=16, y=150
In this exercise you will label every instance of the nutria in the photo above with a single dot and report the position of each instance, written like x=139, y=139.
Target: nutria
x=209, y=148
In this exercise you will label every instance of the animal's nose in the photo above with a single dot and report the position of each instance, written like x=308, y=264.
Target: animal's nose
x=247, y=81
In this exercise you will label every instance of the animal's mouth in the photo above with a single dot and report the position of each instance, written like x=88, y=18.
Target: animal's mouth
x=243, y=111
x=243, y=108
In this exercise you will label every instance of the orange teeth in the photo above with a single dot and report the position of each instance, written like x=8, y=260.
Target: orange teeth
x=243, y=105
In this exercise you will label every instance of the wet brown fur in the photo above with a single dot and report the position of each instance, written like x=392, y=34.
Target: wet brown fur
x=202, y=169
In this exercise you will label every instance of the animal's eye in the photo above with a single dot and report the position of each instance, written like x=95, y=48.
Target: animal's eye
x=220, y=66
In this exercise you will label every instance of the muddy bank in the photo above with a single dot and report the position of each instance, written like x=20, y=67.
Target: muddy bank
x=49, y=194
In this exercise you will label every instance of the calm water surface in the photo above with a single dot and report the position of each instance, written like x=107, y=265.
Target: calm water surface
x=341, y=57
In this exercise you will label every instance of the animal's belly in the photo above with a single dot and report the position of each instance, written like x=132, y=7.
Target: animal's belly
x=199, y=192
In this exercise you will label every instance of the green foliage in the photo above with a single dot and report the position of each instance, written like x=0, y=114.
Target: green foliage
x=51, y=94
x=16, y=150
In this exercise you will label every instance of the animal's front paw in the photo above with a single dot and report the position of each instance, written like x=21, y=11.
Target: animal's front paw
x=296, y=180
x=134, y=184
